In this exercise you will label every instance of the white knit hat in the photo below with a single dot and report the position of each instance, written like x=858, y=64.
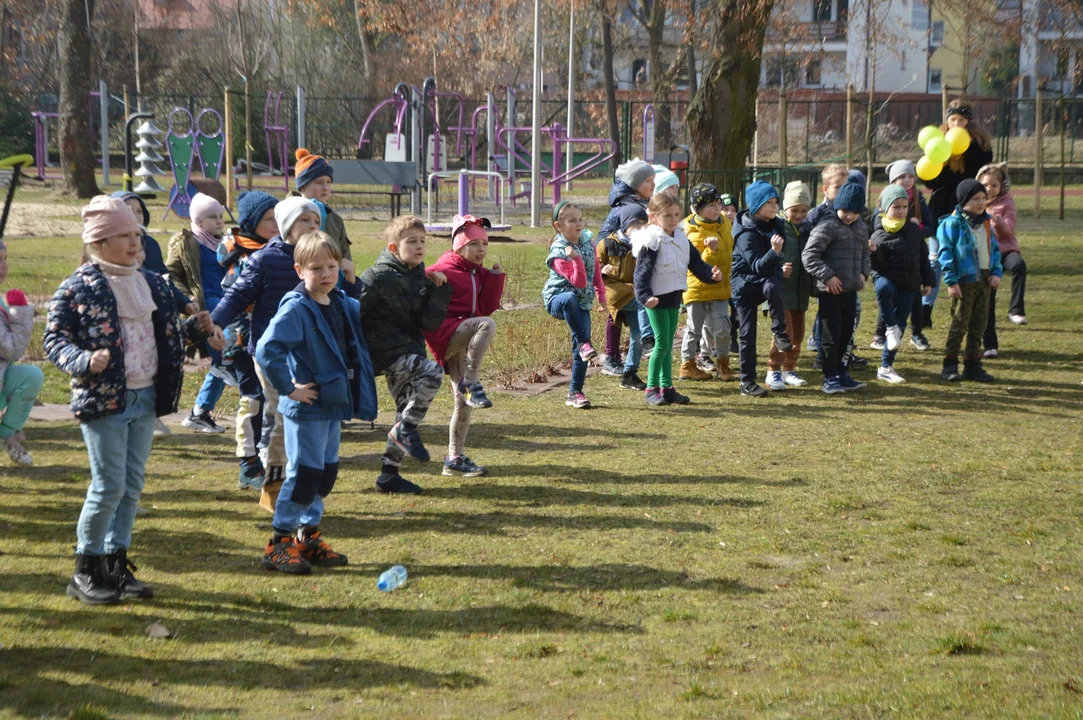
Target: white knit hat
x=288, y=210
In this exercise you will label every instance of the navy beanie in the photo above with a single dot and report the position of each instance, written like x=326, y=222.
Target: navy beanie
x=251, y=207
x=309, y=167
x=851, y=197
x=856, y=176
x=630, y=213
x=967, y=189
x=757, y=194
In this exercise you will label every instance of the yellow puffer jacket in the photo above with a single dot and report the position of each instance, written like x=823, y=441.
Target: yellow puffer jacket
x=698, y=231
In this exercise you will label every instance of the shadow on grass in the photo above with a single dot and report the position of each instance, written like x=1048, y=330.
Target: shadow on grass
x=611, y=477
x=539, y=495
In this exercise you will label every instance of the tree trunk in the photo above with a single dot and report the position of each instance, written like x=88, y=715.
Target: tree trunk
x=76, y=141
x=690, y=49
x=661, y=81
x=365, y=39
x=722, y=115
x=610, y=81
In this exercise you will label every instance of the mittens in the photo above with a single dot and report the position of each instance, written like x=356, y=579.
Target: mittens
x=15, y=298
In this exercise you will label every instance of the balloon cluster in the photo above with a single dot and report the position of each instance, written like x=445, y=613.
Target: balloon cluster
x=939, y=148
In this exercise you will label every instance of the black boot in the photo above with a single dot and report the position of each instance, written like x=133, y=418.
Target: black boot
x=951, y=370
x=119, y=568
x=972, y=370
x=89, y=584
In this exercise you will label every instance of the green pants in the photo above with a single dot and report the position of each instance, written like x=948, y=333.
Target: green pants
x=660, y=367
x=969, y=316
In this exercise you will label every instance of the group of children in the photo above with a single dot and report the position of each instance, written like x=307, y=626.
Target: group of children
x=281, y=310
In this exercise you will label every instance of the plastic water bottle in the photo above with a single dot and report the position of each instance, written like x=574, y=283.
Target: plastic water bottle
x=392, y=579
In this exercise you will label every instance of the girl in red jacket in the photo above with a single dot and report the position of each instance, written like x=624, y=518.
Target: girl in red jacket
x=467, y=331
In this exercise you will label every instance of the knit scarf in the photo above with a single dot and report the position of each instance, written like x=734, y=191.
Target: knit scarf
x=974, y=220
x=205, y=238
x=134, y=301
x=892, y=226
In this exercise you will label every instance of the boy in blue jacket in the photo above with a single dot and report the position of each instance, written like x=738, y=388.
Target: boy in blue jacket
x=970, y=259
x=314, y=354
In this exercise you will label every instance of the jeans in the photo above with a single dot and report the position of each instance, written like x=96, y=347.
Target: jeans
x=660, y=367
x=118, y=446
x=835, y=323
x=631, y=313
x=312, y=448
x=21, y=384
x=930, y=299
x=1014, y=266
x=212, y=388
x=644, y=322
x=565, y=306
x=896, y=305
x=747, y=315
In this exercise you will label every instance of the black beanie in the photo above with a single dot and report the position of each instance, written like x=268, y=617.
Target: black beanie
x=968, y=189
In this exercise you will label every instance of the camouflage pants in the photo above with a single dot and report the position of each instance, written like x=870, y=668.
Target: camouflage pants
x=969, y=316
x=413, y=381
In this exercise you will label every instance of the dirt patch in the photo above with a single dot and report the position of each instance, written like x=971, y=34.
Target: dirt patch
x=31, y=219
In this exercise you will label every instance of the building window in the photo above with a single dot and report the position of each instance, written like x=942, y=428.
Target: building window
x=919, y=16
x=813, y=74
x=935, y=80
x=821, y=11
x=639, y=72
x=936, y=34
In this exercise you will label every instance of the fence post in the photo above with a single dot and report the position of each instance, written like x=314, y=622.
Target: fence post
x=782, y=130
x=1038, y=152
x=103, y=105
x=301, y=139
x=943, y=100
x=756, y=140
x=1063, y=116
x=849, y=121
x=228, y=122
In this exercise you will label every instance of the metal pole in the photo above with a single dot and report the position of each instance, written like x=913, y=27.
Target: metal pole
x=490, y=139
x=103, y=104
x=849, y=121
x=535, y=125
x=1038, y=152
x=229, y=148
x=301, y=139
x=571, y=84
x=782, y=130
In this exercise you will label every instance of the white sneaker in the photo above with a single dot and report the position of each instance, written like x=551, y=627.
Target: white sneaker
x=893, y=336
x=888, y=374
x=793, y=379
x=161, y=430
x=1017, y=319
x=17, y=452
x=774, y=380
x=990, y=353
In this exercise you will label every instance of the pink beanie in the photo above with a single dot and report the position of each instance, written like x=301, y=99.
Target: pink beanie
x=465, y=228
x=107, y=217
x=202, y=206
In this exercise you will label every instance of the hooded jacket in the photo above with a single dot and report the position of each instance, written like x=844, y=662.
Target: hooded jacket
x=16, y=326
x=902, y=257
x=797, y=288
x=620, y=194
x=753, y=259
x=1003, y=206
x=475, y=292
x=699, y=230
x=615, y=250
x=835, y=249
x=959, y=252
x=399, y=303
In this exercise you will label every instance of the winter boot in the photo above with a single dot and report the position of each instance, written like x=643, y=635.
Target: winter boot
x=722, y=365
x=89, y=584
x=118, y=569
x=272, y=484
x=689, y=371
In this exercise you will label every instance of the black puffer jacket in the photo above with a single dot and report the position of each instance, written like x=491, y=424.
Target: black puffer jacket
x=902, y=257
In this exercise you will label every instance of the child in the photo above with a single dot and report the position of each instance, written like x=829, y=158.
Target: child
x=757, y=275
x=112, y=326
x=464, y=336
x=399, y=302
x=257, y=226
x=314, y=355
x=666, y=181
x=970, y=258
x=575, y=280
x=902, y=173
x=313, y=178
x=266, y=278
x=796, y=287
x=707, y=329
x=729, y=211
x=901, y=266
x=837, y=256
x=152, y=250
x=193, y=267
x=664, y=256
x=834, y=176
x=1001, y=206
x=729, y=208
x=618, y=275
x=19, y=384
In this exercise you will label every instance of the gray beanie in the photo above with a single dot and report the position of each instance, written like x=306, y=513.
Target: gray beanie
x=635, y=172
x=900, y=167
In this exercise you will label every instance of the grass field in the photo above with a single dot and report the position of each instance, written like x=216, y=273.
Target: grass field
x=906, y=551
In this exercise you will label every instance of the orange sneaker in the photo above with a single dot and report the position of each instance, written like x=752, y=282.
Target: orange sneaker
x=316, y=551
x=285, y=555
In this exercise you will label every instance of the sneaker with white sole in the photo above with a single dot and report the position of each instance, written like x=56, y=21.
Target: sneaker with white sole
x=792, y=379
x=464, y=466
x=1017, y=319
x=578, y=401
x=201, y=422
x=892, y=338
x=990, y=353
x=831, y=386
x=17, y=452
x=888, y=374
x=705, y=364
x=774, y=380
x=587, y=352
x=161, y=430
x=612, y=366
x=877, y=342
x=920, y=342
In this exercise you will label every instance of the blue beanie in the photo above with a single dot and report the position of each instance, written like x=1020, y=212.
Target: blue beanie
x=630, y=213
x=251, y=207
x=856, y=176
x=851, y=197
x=757, y=194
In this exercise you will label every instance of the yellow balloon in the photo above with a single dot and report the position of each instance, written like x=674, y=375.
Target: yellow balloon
x=938, y=150
x=928, y=133
x=928, y=169
x=959, y=139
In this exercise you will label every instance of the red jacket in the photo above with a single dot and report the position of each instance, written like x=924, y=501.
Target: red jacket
x=475, y=292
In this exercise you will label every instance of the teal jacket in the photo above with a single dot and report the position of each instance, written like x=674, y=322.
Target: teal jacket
x=300, y=347
x=958, y=254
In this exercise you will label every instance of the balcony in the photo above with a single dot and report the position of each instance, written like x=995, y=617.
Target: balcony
x=809, y=32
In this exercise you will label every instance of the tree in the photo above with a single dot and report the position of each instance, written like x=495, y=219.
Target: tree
x=722, y=115
x=76, y=156
x=605, y=12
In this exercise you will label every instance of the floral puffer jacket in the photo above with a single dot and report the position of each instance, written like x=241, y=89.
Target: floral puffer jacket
x=83, y=318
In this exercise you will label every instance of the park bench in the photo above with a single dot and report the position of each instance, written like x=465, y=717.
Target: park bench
x=397, y=179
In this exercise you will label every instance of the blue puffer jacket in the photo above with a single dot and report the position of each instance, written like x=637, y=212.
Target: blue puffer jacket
x=300, y=347
x=619, y=195
x=753, y=259
x=83, y=318
x=958, y=254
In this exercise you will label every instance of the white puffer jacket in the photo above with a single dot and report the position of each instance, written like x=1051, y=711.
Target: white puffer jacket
x=16, y=324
